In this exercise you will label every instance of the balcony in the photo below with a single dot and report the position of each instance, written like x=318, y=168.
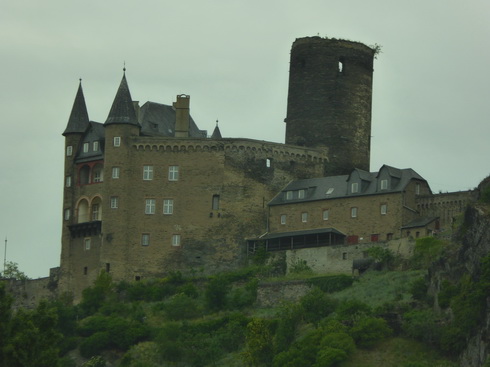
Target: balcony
x=85, y=229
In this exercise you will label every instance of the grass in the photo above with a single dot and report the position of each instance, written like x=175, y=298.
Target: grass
x=378, y=288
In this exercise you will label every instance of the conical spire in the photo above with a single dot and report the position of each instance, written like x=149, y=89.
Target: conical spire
x=78, y=121
x=122, y=110
x=216, y=133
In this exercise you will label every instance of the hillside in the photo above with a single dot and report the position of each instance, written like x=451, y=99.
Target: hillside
x=430, y=310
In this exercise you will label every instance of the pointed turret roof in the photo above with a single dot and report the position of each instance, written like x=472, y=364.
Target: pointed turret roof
x=122, y=110
x=78, y=121
x=216, y=133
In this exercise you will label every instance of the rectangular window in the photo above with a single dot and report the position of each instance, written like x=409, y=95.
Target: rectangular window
x=301, y=194
x=289, y=195
x=176, y=240
x=147, y=173
x=375, y=237
x=354, y=187
x=215, y=204
x=95, y=146
x=98, y=175
x=268, y=163
x=384, y=184
x=417, y=189
x=117, y=141
x=85, y=270
x=95, y=212
x=67, y=214
x=173, y=173
x=116, y=172
x=344, y=255
x=325, y=214
x=304, y=217
x=69, y=150
x=86, y=243
x=107, y=267
x=168, y=206
x=85, y=147
x=384, y=209
x=145, y=239
x=150, y=206
x=68, y=181
x=114, y=202
x=353, y=212
x=283, y=219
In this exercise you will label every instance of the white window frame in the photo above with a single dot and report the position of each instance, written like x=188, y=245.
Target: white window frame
x=86, y=147
x=354, y=187
x=417, y=189
x=67, y=214
x=173, y=173
x=87, y=243
x=353, y=212
x=289, y=195
x=117, y=141
x=384, y=184
x=283, y=219
x=168, y=206
x=145, y=239
x=69, y=150
x=95, y=146
x=97, y=175
x=325, y=214
x=304, y=217
x=68, y=181
x=116, y=171
x=150, y=205
x=215, y=202
x=384, y=209
x=147, y=173
x=95, y=211
x=176, y=240
x=301, y=194
x=114, y=202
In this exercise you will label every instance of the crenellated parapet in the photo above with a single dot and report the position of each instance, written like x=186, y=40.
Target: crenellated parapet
x=255, y=147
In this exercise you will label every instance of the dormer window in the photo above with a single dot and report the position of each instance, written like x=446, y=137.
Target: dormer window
x=301, y=194
x=85, y=147
x=384, y=184
x=289, y=195
x=355, y=187
x=95, y=146
x=329, y=191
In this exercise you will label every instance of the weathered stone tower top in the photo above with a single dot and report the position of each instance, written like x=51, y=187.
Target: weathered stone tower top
x=329, y=100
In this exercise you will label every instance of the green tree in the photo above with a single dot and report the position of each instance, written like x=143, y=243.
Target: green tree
x=12, y=271
x=258, y=350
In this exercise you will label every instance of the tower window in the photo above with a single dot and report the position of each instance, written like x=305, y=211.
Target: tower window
x=268, y=163
x=67, y=214
x=145, y=239
x=341, y=66
x=150, y=206
x=168, y=206
x=173, y=173
x=87, y=243
x=116, y=172
x=68, y=181
x=215, y=204
x=114, y=202
x=147, y=173
x=95, y=212
x=176, y=240
x=69, y=150
x=117, y=141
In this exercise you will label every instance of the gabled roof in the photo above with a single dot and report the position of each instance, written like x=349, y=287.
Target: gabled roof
x=122, y=110
x=334, y=187
x=159, y=120
x=78, y=121
x=94, y=132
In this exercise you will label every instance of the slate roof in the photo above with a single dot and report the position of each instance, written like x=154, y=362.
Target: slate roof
x=159, y=120
x=420, y=222
x=78, y=121
x=122, y=110
x=216, y=133
x=94, y=132
x=335, y=187
x=268, y=236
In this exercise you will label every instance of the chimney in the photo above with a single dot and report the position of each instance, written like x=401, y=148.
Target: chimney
x=182, y=116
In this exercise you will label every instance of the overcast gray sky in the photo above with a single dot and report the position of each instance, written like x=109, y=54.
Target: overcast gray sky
x=430, y=104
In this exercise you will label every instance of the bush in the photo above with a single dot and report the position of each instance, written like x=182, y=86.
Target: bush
x=368, y=331
x=328, y=357
x=244, y=296
x=426, y=251
x=332, y=283
x=299, y=266
x=216, y=293
x=418, y=289
x=351, y=310
x=95, y=344
x=181, y=307
x=422, y=325
x=316, y=305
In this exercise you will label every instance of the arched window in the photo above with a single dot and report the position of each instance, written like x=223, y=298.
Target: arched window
x=82, y=210
x=96, y=209
x=98, y=173
x=84, y=175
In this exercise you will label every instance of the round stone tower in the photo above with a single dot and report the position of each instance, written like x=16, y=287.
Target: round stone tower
x=329, y=100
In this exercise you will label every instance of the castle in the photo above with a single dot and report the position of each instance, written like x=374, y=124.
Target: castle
x=147, y=192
